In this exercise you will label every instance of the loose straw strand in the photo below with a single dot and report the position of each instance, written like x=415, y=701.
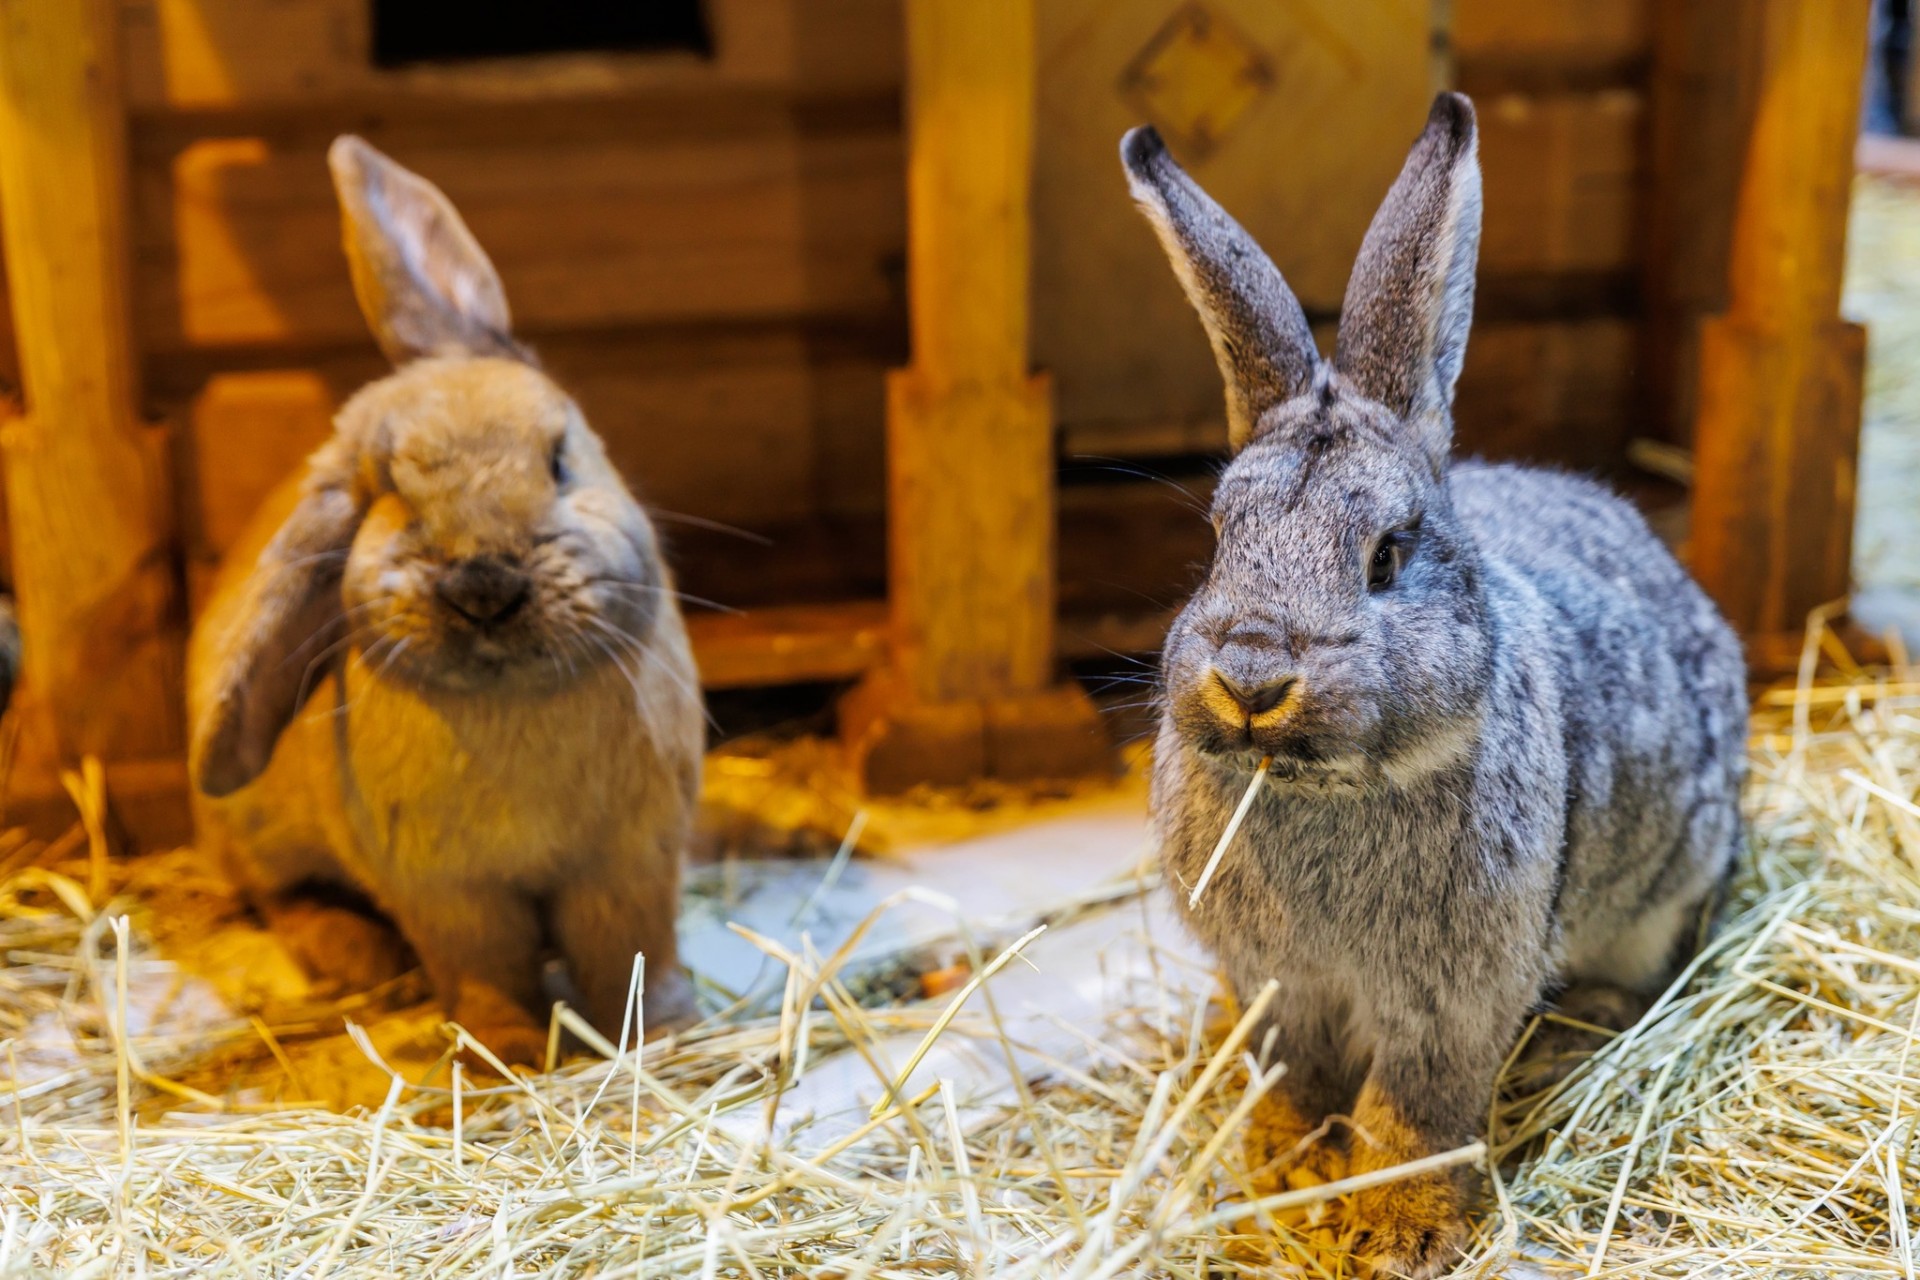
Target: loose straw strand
x=1233, y=828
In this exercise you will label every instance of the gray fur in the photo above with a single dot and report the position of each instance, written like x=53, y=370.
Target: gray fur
x=1514, y=769
x=1403, y=326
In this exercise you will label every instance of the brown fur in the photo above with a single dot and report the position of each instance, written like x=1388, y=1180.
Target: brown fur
x=492, y=784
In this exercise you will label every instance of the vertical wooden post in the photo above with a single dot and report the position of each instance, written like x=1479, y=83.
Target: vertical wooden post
x=1780, y=373
x=86, y=494
x=969, y=691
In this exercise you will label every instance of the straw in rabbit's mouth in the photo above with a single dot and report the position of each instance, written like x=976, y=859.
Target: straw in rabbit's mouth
x=1343, y=775
x=1295, y=757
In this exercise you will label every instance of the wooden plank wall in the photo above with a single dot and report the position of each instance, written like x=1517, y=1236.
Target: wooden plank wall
x=1553, y=369
x=1561, y=87
x=708, y=253
x=711, y=254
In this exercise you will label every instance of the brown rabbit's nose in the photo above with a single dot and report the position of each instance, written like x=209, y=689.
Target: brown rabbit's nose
x=486, y=590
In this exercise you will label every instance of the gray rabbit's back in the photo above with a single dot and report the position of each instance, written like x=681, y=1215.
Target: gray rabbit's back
x=1652, y=698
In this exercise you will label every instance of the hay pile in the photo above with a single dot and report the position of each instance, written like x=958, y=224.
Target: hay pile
x=1760, y=1122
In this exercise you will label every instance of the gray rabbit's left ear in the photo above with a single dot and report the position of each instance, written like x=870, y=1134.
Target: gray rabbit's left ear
x=1259, y=333
x=1403, y=327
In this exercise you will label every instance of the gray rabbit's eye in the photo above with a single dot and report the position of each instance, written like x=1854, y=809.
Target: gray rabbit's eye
x=1384, y=564
x=1390, y=556
x=557, y=464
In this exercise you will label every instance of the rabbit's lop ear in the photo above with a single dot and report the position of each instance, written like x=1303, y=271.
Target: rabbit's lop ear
x=283, y=628
x=424, y=284
x=1403, y=328
x=1259, y=334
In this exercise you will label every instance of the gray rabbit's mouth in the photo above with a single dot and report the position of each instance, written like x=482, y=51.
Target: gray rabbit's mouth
x=1302, y=759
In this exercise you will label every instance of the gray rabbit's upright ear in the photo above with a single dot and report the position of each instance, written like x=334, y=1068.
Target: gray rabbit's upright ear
x=1403, y=328
x=424, y=284
x=1259, y=334
x=283, y=629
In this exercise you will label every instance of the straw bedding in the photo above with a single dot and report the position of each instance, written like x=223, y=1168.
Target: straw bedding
x=1759, y=1122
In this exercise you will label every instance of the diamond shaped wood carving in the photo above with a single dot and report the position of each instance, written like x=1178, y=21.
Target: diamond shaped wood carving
x=1197, y=77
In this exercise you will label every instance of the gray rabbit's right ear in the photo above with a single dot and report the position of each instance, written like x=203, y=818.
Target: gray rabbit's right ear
x=283, y=628
x=1259, y=334
x=424, y=284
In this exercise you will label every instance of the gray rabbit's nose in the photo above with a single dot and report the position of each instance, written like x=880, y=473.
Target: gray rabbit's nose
x=1255, y=696
x=486, y=590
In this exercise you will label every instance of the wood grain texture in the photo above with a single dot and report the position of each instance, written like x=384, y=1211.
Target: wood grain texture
x=87, y=501
x=790, y=644
x=591, y=226
x=1546, y=46
x=969, y=688
x=970, y=454
x=1561, y=177
x=1780, y=373
x=185, y=55
x=1303, y=167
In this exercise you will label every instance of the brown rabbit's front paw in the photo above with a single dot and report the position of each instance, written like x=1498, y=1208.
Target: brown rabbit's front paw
x=351, y=949
x=519, y=1045
x=1414, y=1229
x=505, y=1027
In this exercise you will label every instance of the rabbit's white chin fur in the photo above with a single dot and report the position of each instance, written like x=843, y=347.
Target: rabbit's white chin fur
x=532, y=660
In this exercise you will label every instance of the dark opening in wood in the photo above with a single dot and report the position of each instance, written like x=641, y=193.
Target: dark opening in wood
x=408, y=31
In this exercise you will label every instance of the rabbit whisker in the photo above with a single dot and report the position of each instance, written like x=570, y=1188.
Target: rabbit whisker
x=639, y=647
x=701, y=522
x=618, y=584
x=1120, y=466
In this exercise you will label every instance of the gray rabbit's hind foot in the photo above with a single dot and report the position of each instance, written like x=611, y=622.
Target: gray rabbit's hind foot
x=1581, y=1022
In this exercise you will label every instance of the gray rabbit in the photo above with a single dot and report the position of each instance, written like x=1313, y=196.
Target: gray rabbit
x=1507, y=730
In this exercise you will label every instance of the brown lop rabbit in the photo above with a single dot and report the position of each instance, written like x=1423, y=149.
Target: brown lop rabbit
x=445, y=670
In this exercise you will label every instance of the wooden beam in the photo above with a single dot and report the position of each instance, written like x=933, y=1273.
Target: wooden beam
x=970, y=453
x=791, y=644
x=1780, y=372
x=969, y=434
x=85, y=486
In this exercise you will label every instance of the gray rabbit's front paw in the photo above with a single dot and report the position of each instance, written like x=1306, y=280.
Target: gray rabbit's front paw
x=1415, y=1227
x=1286, y=1149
